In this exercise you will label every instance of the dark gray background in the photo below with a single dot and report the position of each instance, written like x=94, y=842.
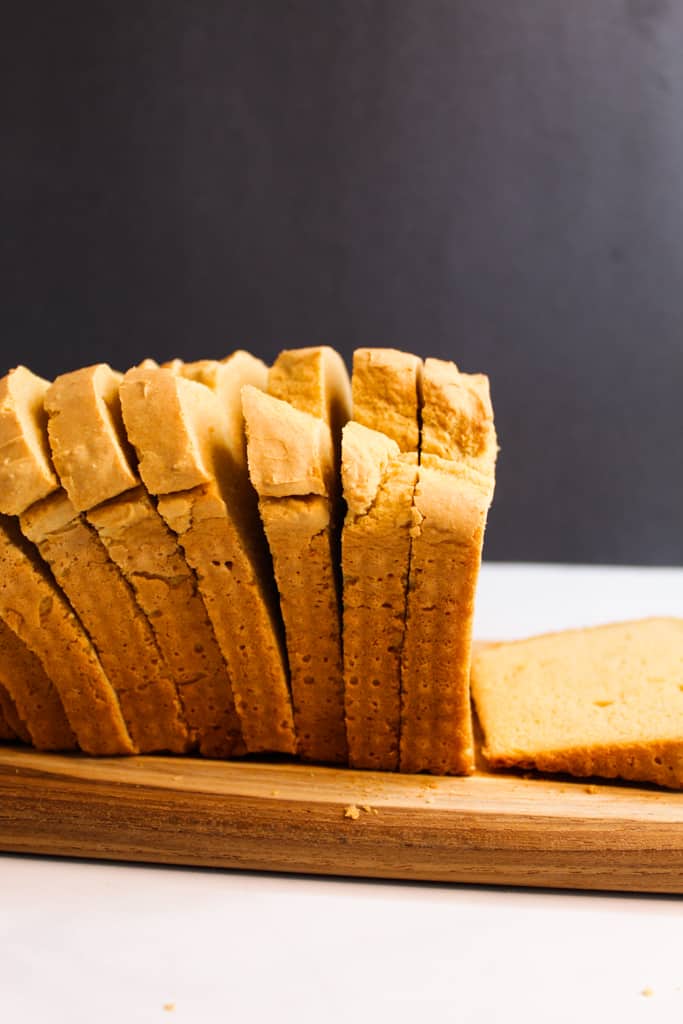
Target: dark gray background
x=499, y=182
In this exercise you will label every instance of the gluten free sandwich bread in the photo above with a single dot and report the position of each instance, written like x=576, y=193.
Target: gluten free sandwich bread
x=234, y=549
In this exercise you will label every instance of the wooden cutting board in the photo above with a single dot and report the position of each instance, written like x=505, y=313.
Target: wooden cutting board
x=492, y=829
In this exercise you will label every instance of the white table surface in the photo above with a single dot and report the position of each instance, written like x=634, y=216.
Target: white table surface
x=96, y=943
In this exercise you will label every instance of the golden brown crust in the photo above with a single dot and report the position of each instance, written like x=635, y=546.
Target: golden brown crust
x=86, y=435
x=457, y=416
x=138, y=540
x=386, y=389
x=172, y=428
x=290, y=453
x=37, y=611
x=120, y=632
x=33, y=695
x=26, y=473
x=366, y=456
x=660, y=762
x=375, y=550
x=313, y=380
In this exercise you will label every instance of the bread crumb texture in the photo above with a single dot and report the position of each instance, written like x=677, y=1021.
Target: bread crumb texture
x=606, y=701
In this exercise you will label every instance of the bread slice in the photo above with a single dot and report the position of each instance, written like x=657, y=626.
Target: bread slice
x=26, y=471
x=378, y=482
x=316, y=381
x=386, y=388
x=605, y=701
x=11, y=726
x=102, y=481
x=452, y=497
x=37, y=611
x=120, y=632
x=293, y=468
x=192, y=457
x=32, y=695
x=226, y=378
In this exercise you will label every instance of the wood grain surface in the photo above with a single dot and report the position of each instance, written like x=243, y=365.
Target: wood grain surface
x=492, y=829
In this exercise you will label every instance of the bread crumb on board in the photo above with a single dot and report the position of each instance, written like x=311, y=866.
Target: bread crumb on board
x=168, y=1007
x=353, y=812
x=592, y=789
x=647, y=991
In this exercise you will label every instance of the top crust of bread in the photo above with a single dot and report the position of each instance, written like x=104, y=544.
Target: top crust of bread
x=26, y=472
x=457, y=416
x=314, y=380
x=366, y=454
x=386, y=387
x=175, y=425
x=225, y=378
x=88, y=442
x=290, y=452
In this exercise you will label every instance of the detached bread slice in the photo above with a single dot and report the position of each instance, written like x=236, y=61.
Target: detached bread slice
x=101, y=480
x=452, y=498
x=605, y=701
x=32, y=695
x=378, y=482
x=293, y=467
x=192, y=457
